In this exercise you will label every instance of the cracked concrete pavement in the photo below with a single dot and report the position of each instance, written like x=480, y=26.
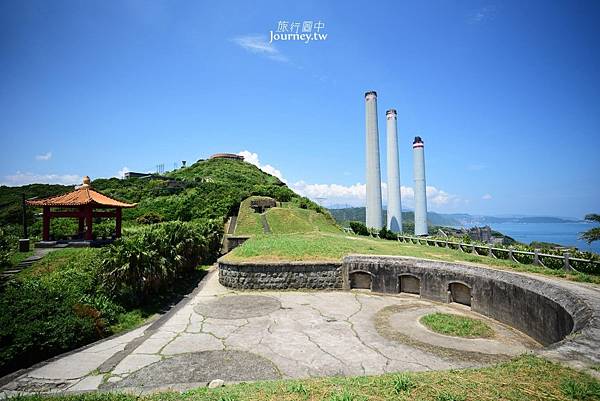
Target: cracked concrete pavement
x=282, y=335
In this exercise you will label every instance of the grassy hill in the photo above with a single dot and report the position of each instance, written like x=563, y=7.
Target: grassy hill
x=286, y=218
x=208, y=189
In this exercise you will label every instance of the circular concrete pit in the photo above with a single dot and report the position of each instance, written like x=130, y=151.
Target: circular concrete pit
x=238, y=307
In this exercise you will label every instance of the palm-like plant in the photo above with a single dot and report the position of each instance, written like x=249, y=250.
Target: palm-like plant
x=593, y=234
x=151, y=259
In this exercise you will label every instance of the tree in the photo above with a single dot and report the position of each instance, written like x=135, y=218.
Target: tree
x=593, y=234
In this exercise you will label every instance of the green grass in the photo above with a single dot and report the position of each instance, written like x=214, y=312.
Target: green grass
x=59, y=260
x=131, y=319
x=456, y=325
x=18, y=257
x=248, y=222
x=333, y=247
x=15, y=259
x=287, y=219
x=524, y=378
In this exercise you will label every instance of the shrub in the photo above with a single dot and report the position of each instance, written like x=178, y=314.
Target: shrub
x=149, y=218
x=384, y=233
x=37, y=322
x=153, y=257
x=63, y=228
x=5, y=250
x=47, y=312
x=104, y=228
x=359, y=228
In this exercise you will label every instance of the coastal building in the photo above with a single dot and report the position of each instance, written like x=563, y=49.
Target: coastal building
x=230, y=156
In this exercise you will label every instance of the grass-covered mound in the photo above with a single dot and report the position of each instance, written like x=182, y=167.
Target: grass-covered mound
x=456, y=325
x=287, y=217
x=248, y=221
x=333, y=247
x=524, y=378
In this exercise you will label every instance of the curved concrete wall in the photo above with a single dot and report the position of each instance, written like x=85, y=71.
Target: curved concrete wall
x=543, y=311
x=545, y=308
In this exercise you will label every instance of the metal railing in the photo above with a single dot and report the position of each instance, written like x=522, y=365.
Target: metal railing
x=537, y=258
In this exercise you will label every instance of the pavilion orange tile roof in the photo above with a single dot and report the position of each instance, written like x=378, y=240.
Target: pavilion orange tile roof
x=83, y=195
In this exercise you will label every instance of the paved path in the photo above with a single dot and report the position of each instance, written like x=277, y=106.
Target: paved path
x=265, y=224
x=38, y=254
x=240, y=336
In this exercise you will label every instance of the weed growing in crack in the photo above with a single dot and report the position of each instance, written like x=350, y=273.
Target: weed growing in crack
x=298, y=388
x=402, y=383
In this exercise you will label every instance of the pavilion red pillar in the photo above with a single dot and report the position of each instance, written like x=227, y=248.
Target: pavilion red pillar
x=118, y=216
x=46, y=223
x=88, y=223
x=81, y=221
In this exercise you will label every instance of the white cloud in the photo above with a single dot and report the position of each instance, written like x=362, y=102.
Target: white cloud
x=121, y=173
x=482, y=15
x=476, y=167
x=352, y=195
x=252, y=158
x=24, y=178
x=486, y=197
x=440, y=197
x=355, y=195
x=44, y=156
x=258, y=44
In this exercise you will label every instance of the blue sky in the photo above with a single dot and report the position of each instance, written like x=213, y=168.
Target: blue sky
x=505, y=95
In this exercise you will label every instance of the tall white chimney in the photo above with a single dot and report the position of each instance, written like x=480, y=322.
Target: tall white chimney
x=373, y=207
x=420, y=188
x=394, y=206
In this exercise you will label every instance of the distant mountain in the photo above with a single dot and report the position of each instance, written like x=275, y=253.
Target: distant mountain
x=452, y=220
x=344, y=215
x=471, y=220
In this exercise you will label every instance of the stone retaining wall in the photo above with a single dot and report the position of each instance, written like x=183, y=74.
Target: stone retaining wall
x=280, y=276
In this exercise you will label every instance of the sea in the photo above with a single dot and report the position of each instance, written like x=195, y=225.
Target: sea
x=566, y=234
